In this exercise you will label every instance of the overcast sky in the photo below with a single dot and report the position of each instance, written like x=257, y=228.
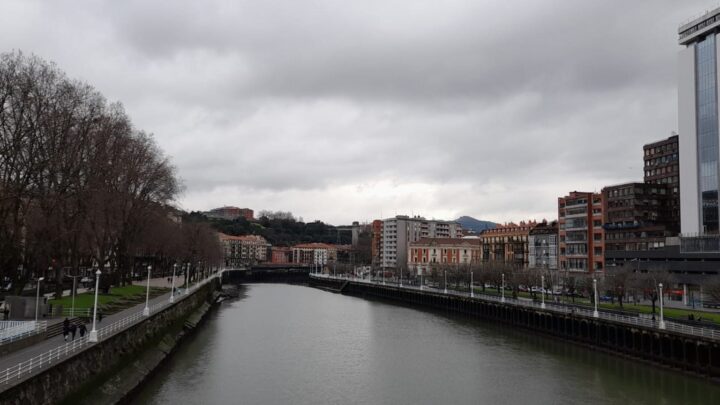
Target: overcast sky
x=342, y=111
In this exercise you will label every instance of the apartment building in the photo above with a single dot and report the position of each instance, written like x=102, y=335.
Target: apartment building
x=507, y=243
x=543, y=246
x=243, y=250
x=397, y=233
x=314, y=253
x=580, y=231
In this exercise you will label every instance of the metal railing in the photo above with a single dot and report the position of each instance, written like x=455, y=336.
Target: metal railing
x=42, y=361
x=549, y=306
x=80, y=312
x=20, y=330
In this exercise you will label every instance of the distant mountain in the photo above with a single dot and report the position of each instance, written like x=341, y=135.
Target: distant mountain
x=475, y=225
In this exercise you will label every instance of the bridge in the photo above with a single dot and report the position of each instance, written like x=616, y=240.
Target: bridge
x=292, y=273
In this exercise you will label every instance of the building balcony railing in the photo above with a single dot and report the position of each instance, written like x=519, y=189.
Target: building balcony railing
x=699, y=243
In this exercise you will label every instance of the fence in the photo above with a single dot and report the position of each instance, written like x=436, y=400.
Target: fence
x=611, y=316
x=11, y=331
x=44, y=360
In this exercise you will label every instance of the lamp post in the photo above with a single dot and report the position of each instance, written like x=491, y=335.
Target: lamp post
x=502, y=297
x=445, y=282
x=661, y=325
x=596, y=314
x=172, y=285
x=472, y=290
x=421, y=281
x=72, y=307
x=400, y=276
x=542, y=291
x=383, y=276
x=37, y=300
x=146, y=310
x=93, y=337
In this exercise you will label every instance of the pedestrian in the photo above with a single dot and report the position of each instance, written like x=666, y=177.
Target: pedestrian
x=82, y=329
x=66, y=329
x=6, y=313
x=99, y=315
x=73, y=329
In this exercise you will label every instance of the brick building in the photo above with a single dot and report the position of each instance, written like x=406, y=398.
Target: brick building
x=580, y=231
x=230, y=213
x=314, y=253
x=662, y=167
x=507, y=243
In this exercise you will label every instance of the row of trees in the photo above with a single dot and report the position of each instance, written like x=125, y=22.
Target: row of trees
x=80, y=186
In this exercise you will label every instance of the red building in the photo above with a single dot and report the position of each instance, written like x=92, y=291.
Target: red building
x=581, y=233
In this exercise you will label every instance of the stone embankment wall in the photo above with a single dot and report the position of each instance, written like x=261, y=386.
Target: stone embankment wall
x=694, y=354
x=116, y=365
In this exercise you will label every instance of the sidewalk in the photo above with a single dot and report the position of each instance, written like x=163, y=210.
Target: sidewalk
x=48, y=344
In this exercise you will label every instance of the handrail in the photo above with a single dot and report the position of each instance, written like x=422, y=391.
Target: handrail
x=28, y=328
x=43, y=360
x=549, y=306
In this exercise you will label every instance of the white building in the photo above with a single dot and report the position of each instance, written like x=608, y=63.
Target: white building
x=397, y=233
x=698, y=124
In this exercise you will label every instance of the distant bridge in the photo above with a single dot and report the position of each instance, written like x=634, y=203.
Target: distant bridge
x=269, y=273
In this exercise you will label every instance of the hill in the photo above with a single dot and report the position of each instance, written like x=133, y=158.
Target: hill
x=475, y=225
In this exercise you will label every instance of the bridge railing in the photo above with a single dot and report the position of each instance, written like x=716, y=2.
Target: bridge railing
x=549, y=306
x=15, y=330
x=35, y=364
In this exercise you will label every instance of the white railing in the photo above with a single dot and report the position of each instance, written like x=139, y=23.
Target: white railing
x=16, y=330
x=83, y=312
x=36, y=364
x=549, y=306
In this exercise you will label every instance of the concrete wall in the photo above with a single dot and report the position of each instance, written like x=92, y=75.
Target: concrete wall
x=689, y=203
x=96, y=363
x=673, y=350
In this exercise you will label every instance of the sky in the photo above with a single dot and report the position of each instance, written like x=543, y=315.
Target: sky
x=350, y=111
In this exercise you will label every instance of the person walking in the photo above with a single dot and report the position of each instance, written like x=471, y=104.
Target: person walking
x=100, y=315
x=82, y=329
x=73, y=329
x=66, y=328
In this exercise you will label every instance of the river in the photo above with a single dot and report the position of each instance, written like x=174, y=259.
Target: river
x=283, y=344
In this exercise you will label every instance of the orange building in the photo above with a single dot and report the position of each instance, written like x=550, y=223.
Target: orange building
x=581, y=233
x=507, y=243
x=281, y=255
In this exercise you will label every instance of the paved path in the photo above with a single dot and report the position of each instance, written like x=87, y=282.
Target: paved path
x=29, y=352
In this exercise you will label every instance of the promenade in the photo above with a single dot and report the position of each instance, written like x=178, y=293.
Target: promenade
x=26, y=362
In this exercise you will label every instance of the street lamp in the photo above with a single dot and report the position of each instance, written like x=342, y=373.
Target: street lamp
x=661, y=325
x=542, y=291
x=37, y=300
x=146, y=310
x=502, y=297
x=421, y=281
x=596, y=314
x=472, y=291
x=400, y=276
x=93, y=333
x=445, y=275
x=172, y=285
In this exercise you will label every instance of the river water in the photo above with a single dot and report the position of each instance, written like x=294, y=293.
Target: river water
x=282, y=344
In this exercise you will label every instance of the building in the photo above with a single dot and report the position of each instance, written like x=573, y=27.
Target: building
x=698, y=124
x=376, y=241
x=580, y=232
x=281, y=255
x=543, y=246
x=428, y=252
x=230, y=213
x=314, y=253
x=507, y=243
x=244, y=250
x=662, y=166
x=637, y=216
x=397, y=233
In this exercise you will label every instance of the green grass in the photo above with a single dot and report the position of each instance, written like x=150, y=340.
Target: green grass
x=86, y=300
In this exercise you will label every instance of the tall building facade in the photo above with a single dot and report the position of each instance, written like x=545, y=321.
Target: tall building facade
x=580, y=232
x=662, y=167
x=543, y=246
x=698, y=124
x=637, y=216
x=397, y=233
x=507, y=243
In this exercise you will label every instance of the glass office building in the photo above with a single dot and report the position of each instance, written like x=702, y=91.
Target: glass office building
x=698, y=124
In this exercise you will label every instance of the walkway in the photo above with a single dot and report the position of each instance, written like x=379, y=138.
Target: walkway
x=110, y=325
x=550, y=306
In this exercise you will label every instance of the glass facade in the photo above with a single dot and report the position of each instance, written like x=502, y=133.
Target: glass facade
x=707, y=131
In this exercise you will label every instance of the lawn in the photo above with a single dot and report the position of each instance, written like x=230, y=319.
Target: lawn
x=86, y=300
